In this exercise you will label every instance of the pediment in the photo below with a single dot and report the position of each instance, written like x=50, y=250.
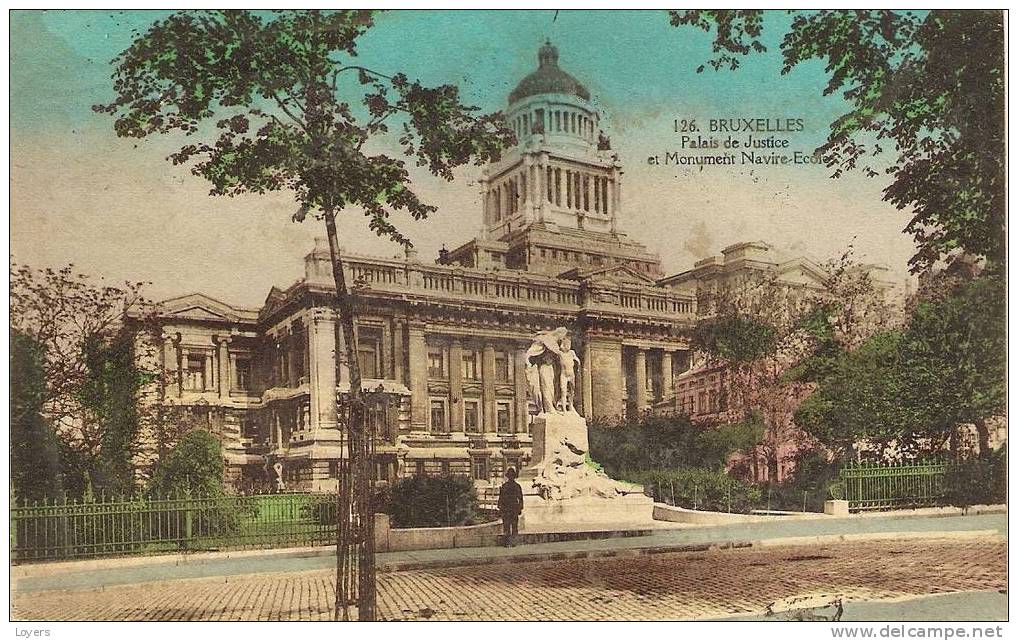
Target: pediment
x=802, y=271
x=203, y=307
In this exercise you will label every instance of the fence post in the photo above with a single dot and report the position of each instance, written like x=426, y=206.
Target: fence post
x=187, y=516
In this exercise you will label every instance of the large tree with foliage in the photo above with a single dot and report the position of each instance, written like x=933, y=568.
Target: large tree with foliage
x=278, y=102
x=87, y=359
x=925, y=95
x=35, y=452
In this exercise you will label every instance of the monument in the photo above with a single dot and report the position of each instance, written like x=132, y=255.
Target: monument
x=561, y=485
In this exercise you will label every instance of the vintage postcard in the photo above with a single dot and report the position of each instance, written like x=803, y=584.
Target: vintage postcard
x=533, y=315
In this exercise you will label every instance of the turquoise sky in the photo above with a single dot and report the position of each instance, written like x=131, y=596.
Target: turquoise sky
x=73, y=181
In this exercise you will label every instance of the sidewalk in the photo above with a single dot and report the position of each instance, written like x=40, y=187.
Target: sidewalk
x=110, y=572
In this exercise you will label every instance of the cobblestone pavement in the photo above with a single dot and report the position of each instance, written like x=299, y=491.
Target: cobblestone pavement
x=671, y=586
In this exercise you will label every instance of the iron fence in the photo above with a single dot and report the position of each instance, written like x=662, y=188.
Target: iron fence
x=67, y=529
x=877, y=486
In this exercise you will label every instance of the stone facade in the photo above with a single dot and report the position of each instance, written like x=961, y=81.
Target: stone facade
x=442, y=343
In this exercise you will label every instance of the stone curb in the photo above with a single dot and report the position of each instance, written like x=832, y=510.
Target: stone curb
x=402, y=566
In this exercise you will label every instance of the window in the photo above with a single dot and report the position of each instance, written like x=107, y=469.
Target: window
x=439, y=424
x=503, y=417
x=436, y=363
x=480, y=468
x=242, y=374
x=472, y=417
x=419, y=467
x=333, y=469
x=248, y=427
x=445, y=467
x=194, y=372
x=702, y=403
x=503, y=367
x=470, y=369
x=369, y=341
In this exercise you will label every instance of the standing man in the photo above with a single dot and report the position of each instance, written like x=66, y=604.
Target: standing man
x=510, y=505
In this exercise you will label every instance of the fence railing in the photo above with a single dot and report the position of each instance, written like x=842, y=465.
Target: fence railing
x=872, y=486
x=51, y=530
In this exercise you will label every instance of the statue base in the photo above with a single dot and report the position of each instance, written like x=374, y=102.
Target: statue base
x=560, y=486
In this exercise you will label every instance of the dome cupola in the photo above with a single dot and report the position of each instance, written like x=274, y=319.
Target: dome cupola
x=548, y=78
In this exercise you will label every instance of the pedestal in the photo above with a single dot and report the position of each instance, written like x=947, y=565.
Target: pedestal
x=588, y=497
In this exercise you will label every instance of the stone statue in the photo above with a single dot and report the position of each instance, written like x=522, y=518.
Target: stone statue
x=567, y=376
x=551, y=354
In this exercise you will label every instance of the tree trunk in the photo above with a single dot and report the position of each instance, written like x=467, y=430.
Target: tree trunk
x=358, y=497
x=983, y=431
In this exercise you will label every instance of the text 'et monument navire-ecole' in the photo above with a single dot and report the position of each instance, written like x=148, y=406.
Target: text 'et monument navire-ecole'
x=443, y=341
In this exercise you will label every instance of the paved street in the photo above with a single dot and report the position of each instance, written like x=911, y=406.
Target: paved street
x=705, y=585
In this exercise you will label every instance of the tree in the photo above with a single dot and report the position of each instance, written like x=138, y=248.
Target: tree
x=87, y=362
x=906, y=393
x=35, y=453
x=930, y=86
x=280, y=105
x=770, y=340
x=957, y=349
x=194, y=466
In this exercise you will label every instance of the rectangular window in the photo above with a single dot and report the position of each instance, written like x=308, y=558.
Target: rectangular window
x=472, y=417
x=470, y=370
x=503, y=367
x=439, y=423
x=194, y=372
x=436, y=363
x=504, y=417
x=419, y=467
x=242, y=374
x=480, y=468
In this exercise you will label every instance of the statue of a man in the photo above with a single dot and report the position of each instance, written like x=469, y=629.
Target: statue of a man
x=567, y=376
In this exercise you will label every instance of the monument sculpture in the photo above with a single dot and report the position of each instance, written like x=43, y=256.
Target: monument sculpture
x=562, y=485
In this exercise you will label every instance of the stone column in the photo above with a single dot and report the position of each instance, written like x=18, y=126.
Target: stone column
x=210, y=381
x=417, y=362
x=386, y=372
x=171, y=365
x=667, y=383
x=587, y=384
x=640, y=393
x=455, y=387
x=488, y=388
x=589, y=198
x=397, y=351
x=322, y=369
x=607, y=378
x=224, y=368
x=520, y=383
x=559, y=174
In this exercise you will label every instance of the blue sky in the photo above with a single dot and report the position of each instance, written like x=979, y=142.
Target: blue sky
x=76, y=183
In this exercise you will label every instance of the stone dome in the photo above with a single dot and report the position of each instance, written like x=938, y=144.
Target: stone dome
x=548, y=79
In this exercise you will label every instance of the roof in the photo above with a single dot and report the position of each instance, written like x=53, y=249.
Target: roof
x=548, y=78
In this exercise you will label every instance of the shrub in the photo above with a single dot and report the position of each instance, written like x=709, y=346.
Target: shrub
x=697, y=488
x=978, y=481
x=427, y=501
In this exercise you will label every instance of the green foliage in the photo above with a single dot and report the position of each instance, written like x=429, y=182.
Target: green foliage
x=194, y=466
x=597, y=467
x=698, y=488
x=928, y=86
x=956, y=348
x=655, y=442
x=428, y=501
x=110, y=393
x=35, y=453
x=735, y=338
x=911, y=390
x=978, y=481
x=293, y=111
